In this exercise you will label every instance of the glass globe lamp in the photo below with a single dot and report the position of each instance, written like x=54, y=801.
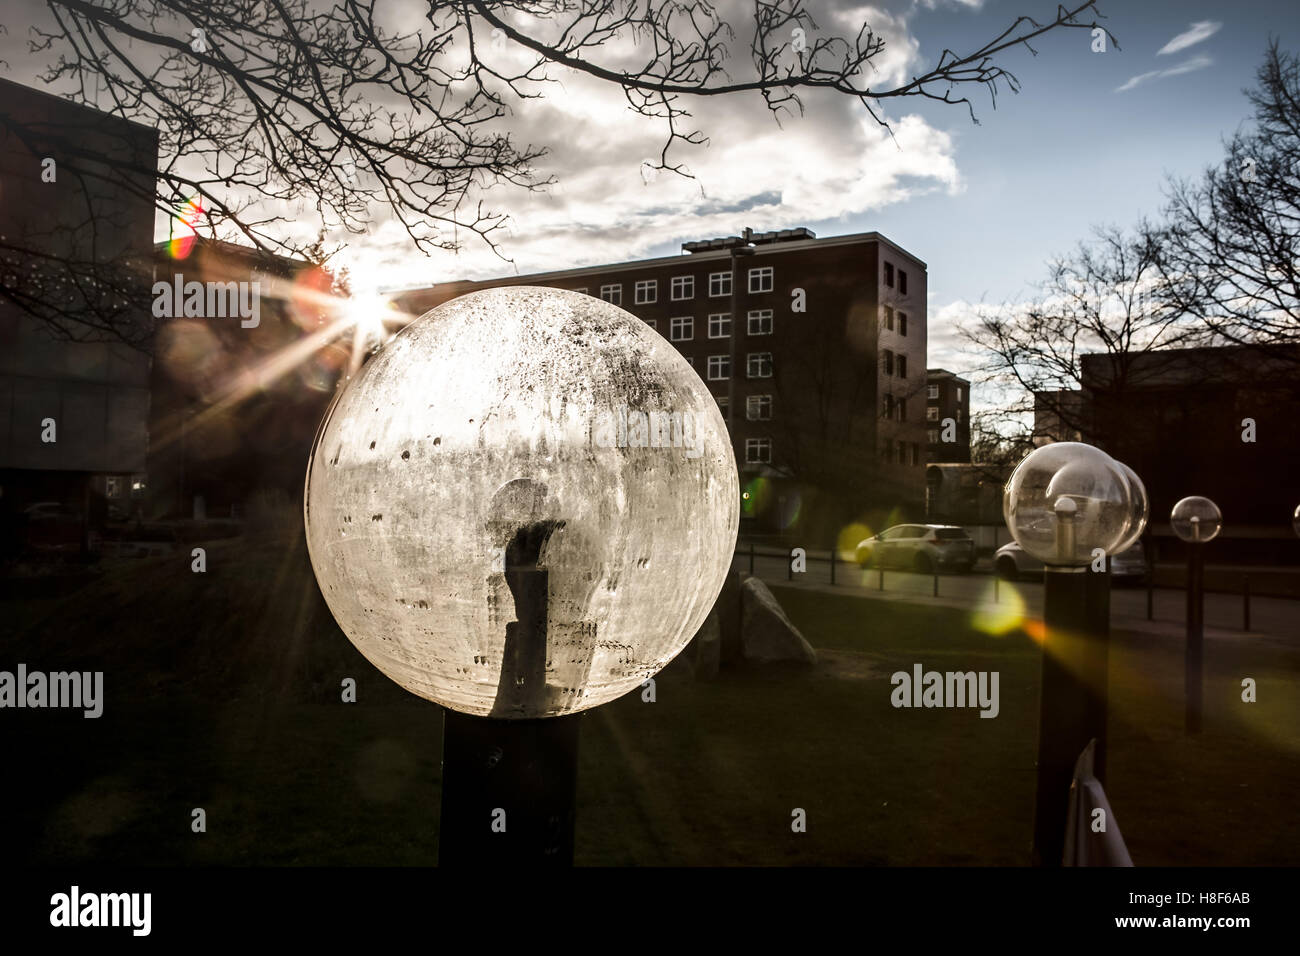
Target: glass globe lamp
x=1196, y=519
x=1066, y=499
x=1141, y=508
x=524, y=505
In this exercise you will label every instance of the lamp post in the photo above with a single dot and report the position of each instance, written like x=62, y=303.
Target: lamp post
x=1197, y=521
x=1063, y=502
x=520, y=508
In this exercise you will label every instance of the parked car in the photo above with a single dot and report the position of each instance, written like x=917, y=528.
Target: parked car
x=918, y=547
x=1012, y=562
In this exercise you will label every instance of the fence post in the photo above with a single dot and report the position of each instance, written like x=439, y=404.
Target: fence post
x=997, y=586
x=832, y=564
x=1245, y=602
x=936, y=583
x=789, y=566
x=881, y=585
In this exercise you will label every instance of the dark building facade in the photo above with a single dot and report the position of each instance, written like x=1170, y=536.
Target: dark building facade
x=813, y=348
x=947, y=417
x=1217, y=422
x=76, y=231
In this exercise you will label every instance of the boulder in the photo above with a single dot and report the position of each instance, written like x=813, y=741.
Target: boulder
x=767, y=635
x=708, y=648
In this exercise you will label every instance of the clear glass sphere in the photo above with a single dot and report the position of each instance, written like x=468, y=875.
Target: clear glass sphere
x=1141, y=508
x=1066, y=499
x=1196, y=519
x=524, y=505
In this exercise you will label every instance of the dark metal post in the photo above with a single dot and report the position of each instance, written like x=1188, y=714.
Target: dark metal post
x=789, y=567
x=936, y=583
x=880, y=584
x=518, y=774
x=997, y=587
x=1072, y=697
x=832, y=564
x=509, y=786
x=751, y=558
x=1195, y=636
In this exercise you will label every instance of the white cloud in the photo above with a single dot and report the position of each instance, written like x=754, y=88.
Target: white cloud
x=1198, y=31
x=1187, y=66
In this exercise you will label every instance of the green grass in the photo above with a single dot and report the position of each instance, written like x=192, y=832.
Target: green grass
x=224, y=694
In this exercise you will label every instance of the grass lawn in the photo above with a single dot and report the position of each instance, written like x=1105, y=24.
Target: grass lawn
x=223, y=693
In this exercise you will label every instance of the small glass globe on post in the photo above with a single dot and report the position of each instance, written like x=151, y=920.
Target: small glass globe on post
x=1065, y=500
x=1196, y=520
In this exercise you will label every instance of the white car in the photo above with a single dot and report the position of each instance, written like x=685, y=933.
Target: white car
x=918, y=547
x=1012, y=561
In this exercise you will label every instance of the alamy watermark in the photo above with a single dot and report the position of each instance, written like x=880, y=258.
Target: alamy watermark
x=76, y=908
x=628, y=428
x=924, y=688
x=37, y=689
x=212, y=300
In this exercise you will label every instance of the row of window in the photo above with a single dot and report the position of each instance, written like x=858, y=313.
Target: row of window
x=932, y=414
x=889, y=278
x=888, y=320
x=681, y=328
x=682, y=288
x=893, y=364
x=758, y=408
x=758, y=451
x=932, y=391
x=895, y=408
x=757, y=365
x=892, y=452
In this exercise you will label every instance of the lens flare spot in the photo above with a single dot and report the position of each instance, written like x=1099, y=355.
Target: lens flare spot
x=756, y=497
x=790, y=508
x=850, y=536
x=1001, y=616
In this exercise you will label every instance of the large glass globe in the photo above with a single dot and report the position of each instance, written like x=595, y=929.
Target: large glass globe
x=1066, y=499
x=524, y=505
x=1196, y=519
x=1141, y=505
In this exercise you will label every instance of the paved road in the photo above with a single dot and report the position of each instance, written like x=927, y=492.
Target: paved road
x=1277, y=617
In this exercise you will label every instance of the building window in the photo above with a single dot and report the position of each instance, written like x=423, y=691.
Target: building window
x=902, y=366
x=759, y=365
x=889, y=274
x=902, y=453
x=683, y=288
x=112, y=486
x=959, y=416
x=719, y=368
x=932, y=391
x=760, y=279
x=888, y=410
x=902, y=282
x=719, y=325
x=760, y=322
x=889, y=319
x=647, y=291
x=902, y=409
x=653, y=323
x=758, y=408
x=932, y=414
x=959, y=393
x=932, y=436
x=887, y=360
x=724, y=403
x=583, y=290
x=681, y=328
x=916, y=453
x=719, y=284
x=690, y=360
x=887, y=452
x=902, y=323
x=758, y=451
x=612, y=293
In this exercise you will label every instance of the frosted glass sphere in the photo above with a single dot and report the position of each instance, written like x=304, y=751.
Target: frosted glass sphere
x=1141, y=512
x=1196, y=519
x=1065, y=499
x=524, y=505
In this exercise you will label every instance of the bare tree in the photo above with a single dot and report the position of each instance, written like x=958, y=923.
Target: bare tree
x=1230, y=249
x=267, y=105
x=1100, y=300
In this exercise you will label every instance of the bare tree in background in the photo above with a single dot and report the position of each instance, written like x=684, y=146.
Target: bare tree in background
x=268, y=108
x=1098, y=300
x=1230, y=246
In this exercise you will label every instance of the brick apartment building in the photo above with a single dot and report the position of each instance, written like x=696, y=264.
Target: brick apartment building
x=814, y=349
x=947, y=409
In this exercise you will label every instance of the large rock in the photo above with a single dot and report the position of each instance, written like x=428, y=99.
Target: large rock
x=727, y=609
x=767, y=635
x=708, y=648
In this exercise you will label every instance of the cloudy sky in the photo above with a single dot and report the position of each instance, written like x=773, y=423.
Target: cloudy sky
x=1088, y=140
